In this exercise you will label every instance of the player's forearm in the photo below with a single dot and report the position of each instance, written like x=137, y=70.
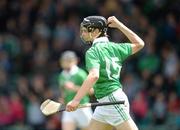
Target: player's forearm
x=76, y=89
x=85, y=88
x=137, y=42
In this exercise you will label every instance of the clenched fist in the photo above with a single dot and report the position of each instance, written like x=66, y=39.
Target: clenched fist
x=113, y=22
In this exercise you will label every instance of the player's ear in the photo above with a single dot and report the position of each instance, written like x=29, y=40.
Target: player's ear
x=97, y=32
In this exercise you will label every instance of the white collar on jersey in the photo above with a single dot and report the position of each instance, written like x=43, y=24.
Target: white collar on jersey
x=101, y=39
x=73, y=70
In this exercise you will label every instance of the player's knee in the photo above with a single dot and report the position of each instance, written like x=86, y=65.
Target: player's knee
x=127, y=125
x=134, y=128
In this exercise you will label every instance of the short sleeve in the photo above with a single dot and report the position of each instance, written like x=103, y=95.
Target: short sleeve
x=92, y=60
x=82, y=75
x=124, y=50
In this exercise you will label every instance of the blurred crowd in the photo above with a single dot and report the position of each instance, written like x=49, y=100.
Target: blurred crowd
x=33, y=34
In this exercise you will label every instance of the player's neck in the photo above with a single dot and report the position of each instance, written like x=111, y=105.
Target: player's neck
x=101, y=39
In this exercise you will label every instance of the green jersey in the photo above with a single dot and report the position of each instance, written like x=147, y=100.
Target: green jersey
x=108, y=58
x=77, y=76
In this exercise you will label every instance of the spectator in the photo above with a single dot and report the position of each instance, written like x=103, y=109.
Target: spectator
x=139, y=107
x=6, y=115
x=159, y=109
x=34, y=115
x=17, y=106
x=173, y=103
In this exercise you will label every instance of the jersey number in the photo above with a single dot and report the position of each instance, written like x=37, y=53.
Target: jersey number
x=112, y=67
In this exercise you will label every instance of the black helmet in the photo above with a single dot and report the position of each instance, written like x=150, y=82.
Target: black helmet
x=92, y=22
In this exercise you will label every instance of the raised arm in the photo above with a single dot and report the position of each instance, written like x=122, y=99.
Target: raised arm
x=137, y=42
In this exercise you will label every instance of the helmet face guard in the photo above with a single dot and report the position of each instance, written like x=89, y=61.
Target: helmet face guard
x=93, y=22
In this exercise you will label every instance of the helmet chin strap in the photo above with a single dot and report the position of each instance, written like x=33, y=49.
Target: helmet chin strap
x=90, y=34
x=91, y=37
x=87, y=42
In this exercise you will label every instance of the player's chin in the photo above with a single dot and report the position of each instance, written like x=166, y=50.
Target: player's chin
x=85, y=40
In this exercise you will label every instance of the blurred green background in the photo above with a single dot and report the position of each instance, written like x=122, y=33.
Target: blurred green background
x=33, y=34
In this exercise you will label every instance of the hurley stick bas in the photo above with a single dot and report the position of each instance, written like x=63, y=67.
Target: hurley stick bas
x=49, y=107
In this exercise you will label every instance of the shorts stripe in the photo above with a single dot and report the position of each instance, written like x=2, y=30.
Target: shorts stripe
x=115, y=106
x=123, y=113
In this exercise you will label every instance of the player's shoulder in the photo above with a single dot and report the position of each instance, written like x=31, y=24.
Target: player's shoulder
x=90, y=51
x=81, y=72
x=80, y=69
x=119, y=44
x=111, y=43
x=60, y=75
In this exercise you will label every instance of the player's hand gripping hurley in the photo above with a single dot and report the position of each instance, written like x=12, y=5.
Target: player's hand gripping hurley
x=49, y=107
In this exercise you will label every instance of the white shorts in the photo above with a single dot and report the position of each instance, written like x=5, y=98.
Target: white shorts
x=113, y=114
x=81, y=117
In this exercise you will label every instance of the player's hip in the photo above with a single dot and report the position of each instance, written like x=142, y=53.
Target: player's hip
x=113, y=114
x=116, y=95
x=81, y=117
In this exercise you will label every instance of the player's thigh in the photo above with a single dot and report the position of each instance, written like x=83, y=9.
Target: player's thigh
x=96, y=125
x=127, y=125
x=68, y=126
x=68, y=121
x=83, y=117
